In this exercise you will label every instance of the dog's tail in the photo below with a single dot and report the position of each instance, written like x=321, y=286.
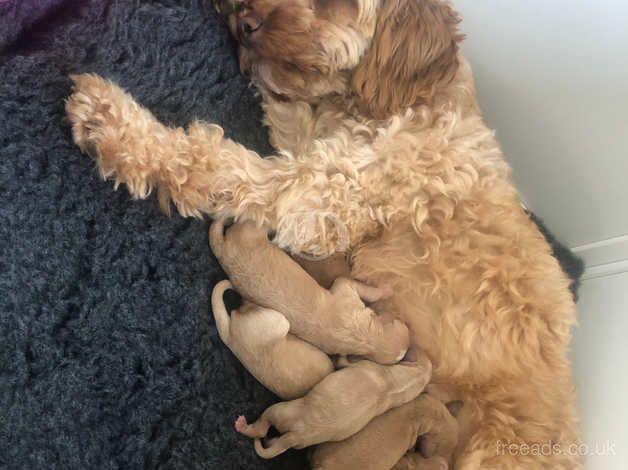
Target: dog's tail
x=221, y=316
x=277, y=446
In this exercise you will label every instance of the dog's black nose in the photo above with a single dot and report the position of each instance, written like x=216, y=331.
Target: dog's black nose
x=247, y=25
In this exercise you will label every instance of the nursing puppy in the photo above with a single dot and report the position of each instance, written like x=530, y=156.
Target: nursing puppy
x=340, y=405
x=386, y=439
x=286, y=365
x=335, y=320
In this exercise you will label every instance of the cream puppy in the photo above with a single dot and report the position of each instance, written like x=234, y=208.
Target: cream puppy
x=259, y=338
x=340, y=405
x=335, y=320
x=386, y=439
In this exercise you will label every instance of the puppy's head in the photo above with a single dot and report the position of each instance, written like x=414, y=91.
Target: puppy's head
x=392, y=345
x=413, y=373
x=389, y=54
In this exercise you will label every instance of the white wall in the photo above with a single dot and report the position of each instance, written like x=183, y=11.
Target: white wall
x=553, y=80
x=552, y=76
x=599, y=358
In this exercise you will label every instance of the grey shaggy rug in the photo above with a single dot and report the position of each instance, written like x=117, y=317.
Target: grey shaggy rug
x=109, y=358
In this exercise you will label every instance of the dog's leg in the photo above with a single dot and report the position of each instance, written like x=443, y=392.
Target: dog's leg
x=316, y=204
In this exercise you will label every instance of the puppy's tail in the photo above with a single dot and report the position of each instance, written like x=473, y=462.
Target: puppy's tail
x=278, y=445
x=217, y=237
x=221, y=316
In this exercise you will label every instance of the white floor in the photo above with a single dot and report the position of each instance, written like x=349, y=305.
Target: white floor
x=600, y=358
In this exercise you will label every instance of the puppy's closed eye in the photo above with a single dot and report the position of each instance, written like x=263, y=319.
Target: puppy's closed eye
x=454, y=407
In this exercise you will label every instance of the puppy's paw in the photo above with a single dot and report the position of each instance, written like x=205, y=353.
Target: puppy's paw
x=240, y=424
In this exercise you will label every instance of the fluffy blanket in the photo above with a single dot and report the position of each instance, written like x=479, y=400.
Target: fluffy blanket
x=109, y=358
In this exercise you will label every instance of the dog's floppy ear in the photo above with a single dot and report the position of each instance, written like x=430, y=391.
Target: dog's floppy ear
x=413, y=51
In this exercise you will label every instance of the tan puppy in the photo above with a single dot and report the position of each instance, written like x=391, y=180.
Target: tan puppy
x=387, y=438
x=286, y=365
x=340, y=405
x=335, y=320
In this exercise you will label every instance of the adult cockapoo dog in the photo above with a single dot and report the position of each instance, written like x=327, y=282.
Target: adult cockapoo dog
x=381, y=153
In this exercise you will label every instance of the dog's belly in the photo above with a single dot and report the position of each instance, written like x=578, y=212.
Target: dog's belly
x=417, y=298
x=483, y=296
x=494, y=317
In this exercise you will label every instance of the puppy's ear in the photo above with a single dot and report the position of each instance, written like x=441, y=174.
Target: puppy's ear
x=455, y=407
x=413, y=52
x=267, y=326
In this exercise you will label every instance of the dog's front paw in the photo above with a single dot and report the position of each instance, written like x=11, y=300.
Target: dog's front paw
x=89, y=109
